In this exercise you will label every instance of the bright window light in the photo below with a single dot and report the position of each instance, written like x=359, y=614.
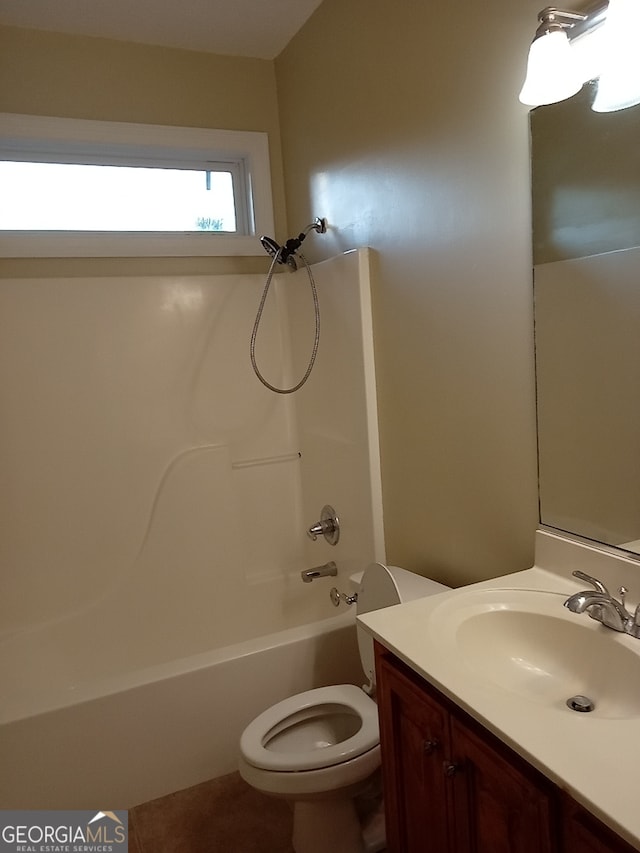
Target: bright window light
x=73, y=188
x=74, y=197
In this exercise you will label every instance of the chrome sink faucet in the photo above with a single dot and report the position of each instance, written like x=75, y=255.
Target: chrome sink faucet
x=603, y=607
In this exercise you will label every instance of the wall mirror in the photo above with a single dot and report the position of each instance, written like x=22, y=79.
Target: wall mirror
x=586, y=252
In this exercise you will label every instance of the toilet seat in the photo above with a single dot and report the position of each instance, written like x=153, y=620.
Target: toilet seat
x=355, y=712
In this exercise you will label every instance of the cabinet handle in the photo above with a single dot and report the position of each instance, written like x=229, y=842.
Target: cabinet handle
x=430, y=746
x=450, y=768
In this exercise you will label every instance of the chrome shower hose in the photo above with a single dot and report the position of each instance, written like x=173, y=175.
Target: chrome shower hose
x=256, y=326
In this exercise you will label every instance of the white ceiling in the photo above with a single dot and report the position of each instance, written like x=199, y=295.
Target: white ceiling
x=258, y=28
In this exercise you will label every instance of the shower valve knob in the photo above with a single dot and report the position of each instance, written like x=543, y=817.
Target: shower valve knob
x=328, y=526
x=319, y=529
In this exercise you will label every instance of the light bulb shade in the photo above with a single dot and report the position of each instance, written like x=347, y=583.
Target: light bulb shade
x=619, y=83
x=551, y=74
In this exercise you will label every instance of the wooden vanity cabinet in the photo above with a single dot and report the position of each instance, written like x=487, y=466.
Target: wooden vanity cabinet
x=499, y=805
x=447, y=789
x=453, y=787
x=415, y=739
x=583, y=833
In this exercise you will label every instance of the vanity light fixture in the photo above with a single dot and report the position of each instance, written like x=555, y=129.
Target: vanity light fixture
x=570, y=48
x=619, y=83
x=551, y=73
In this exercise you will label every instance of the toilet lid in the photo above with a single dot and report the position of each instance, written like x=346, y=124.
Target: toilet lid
x=294, y=711
x=378, y=589
x=383, y=587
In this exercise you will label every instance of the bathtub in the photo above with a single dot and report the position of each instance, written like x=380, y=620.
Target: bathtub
x=91, y=739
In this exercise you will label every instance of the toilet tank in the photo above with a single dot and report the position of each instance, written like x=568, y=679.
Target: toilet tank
x=383, y=586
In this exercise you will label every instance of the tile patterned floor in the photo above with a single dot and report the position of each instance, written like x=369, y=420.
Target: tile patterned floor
x=224, y=815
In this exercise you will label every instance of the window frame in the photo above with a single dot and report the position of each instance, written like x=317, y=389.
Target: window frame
x=51, y=139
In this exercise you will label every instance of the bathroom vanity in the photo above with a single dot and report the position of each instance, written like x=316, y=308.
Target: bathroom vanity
x=480, y=750
x=453, y=787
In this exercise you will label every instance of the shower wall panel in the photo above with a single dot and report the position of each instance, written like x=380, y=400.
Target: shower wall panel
x=336, y=410
x=133, y=442
x=147, y=475
x=588, y=372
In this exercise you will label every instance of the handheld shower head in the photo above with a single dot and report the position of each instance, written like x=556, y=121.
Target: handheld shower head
x=284, y=254
x=270, y=246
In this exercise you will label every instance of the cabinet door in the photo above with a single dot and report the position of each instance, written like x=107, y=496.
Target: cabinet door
x=583, y=833
x=498, y=807
x=414, y=739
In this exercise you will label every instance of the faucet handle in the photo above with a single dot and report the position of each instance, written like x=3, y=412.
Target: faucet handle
x=583, y=576
x=328, y=526
x=336, y=597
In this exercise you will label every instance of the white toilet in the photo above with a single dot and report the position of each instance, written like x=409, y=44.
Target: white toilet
x=321, y=747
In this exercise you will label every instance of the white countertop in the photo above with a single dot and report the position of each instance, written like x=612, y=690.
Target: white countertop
x=595, y=759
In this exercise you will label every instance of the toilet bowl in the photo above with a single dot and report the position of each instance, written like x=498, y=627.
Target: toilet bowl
x=316, y=741
x=321, y=748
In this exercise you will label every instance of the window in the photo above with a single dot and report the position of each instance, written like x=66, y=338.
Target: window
x=80, y=188
x=83, y=197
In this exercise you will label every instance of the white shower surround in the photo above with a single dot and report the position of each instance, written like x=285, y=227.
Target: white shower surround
x=156, y=508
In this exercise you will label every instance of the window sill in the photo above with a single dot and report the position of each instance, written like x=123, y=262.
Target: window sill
x=82, y=244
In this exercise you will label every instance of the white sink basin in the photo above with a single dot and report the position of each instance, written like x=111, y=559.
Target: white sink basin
x=526, y=642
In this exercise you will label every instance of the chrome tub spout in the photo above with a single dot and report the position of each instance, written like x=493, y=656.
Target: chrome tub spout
x=328, y=570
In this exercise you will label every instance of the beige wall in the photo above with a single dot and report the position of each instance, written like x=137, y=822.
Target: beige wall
x=100, y=79
x=400, y=123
